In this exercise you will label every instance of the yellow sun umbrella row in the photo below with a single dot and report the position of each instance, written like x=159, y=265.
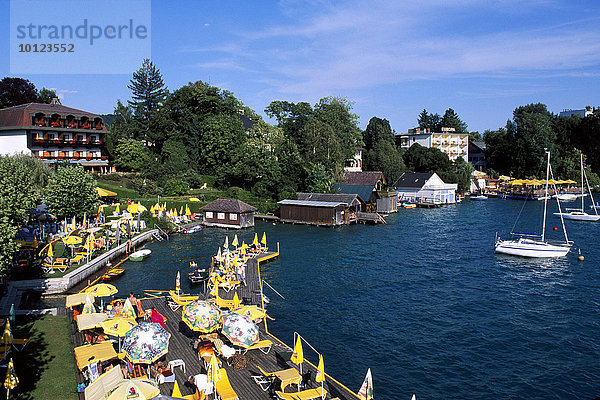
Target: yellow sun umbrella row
x=539, y=182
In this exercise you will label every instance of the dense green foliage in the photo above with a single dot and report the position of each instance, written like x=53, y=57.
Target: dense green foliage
x=16, y=91
x=18, y=194
x=518, y=150
x=435, y=123
x=71, y=192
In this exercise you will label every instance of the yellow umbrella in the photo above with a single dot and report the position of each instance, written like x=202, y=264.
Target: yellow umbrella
x=72, y=240
x=101, y=290
x=152, y=209
x=118, y=326
x=74, y=223
x=320, y=370
x=298, y=354
x=194, y=199
x=181, y=210
x=236, y=301
x=264, y=238
x=128, y=311
x=11, y=380
x=175, y=215
x=187, y=210
x=255, y=241
x=214, y=373
x=88, y=306
x=84, y=220
x=235, y=241
x=141, y=208
x=133, y=389
x=176, y=392
x=35, y=243
x=89, y=242
x=50, y=252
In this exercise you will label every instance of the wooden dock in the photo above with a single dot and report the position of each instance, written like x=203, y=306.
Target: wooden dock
x=180, y=346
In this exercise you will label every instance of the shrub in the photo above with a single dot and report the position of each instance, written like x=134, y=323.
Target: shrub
x=176, y=187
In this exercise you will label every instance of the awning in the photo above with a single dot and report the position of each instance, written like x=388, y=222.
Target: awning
x=89, y=321
x=76, y=299
x=108, y=380
x=91, y=353
x=105, y=193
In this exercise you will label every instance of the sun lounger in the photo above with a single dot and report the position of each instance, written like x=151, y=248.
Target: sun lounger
x=308, y=394
x=262, y=345
x=77, y=259
x=178, y=300
x=223, y=387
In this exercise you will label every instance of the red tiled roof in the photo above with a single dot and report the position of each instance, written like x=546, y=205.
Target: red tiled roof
x=228, y=205
x=21, y=115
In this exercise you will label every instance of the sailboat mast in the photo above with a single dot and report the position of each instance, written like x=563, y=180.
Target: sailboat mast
x=582, y=191
x=546, y=197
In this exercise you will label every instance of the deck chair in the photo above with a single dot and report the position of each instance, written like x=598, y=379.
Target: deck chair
x=176, y=301
x=264, y=380
x=223, y=303
x=92, y=372
x=77, y=259
x=262, y=345
x=224, y=389
x=227, y=284
x=308, y=394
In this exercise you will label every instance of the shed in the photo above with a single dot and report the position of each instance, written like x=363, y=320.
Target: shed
x=313, y=212
x=228, y=213
x=368, y=185
x=425, y=187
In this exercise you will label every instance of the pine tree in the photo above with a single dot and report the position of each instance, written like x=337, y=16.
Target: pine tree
x=148, y=95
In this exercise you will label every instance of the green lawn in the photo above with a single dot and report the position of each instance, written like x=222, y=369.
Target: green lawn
x=46, y=368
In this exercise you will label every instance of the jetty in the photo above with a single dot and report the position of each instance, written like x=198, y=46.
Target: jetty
x=240, y=374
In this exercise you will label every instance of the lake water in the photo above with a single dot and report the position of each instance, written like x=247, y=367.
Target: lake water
x=424, y=301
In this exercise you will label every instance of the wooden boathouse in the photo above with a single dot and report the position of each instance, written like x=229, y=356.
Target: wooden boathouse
x=370, y=187
x=228, y=213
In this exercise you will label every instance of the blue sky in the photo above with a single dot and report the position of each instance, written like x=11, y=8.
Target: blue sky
x=391, y=58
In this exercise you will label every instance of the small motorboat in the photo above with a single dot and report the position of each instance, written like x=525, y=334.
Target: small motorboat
x=193, y=229
x=198, y=275
x=112, y=274
x=139, y=255
x=409, y=205
x=565, y=196
x=480, y=197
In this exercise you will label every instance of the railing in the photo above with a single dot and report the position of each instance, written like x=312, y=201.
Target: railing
x=161, y=231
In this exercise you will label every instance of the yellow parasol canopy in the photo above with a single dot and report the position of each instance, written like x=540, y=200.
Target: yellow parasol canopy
x=72, y=240
x=236, y=301
x=264, y=238
x=320, y=370
x=50, y=252
x=117, y=326
x=187, y=210
x=252, y=312
x=255, y=241
x=101, y=290
x=117, y=210
x=214, y=373
x=298, y=354
x=133, y=389
x=235, y=241
x=11, y=380
x=105, y=193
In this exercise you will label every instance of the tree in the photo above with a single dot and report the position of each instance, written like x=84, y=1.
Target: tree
x=422, y=159
x=71, y=192
x=378, y=129
x=18, y=194
x=318, y=180
x=47, y=95
x=290, y=117
x=219, y=139
x=429, y=121
x=132, y=155
x=148, y=96
x=337, y=113
x=16, y=91
x=385, y=158
x=320, y=145
x=452, y=120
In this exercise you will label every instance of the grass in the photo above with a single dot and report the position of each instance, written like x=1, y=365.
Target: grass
x=46, y=368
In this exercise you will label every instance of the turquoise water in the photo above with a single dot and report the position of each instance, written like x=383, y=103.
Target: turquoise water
x=424, y=302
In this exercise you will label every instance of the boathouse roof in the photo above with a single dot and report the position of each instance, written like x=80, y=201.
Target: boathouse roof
x=347, y=198
x=413, y=179
x=362, y=178
x=21, y=115
x=312, y=203
x=228, y=205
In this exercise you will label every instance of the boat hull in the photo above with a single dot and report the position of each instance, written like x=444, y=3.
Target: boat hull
x=579, y=216
x=139, y=255
x=530, y=248
x=112, y=274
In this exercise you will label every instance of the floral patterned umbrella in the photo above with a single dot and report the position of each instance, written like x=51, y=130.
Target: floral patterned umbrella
x=146, y=342
x=201, y=316
x=240, y=330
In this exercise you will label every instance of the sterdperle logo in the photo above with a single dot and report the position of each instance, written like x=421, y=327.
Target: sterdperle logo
x=79, y=36
x=85, y=30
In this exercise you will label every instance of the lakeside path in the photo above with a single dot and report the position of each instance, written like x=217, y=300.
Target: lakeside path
x=180, y=347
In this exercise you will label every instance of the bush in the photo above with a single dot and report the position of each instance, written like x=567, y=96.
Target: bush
x=146, y=187
x=176, y=187
x=192, y=177
x=111, y=177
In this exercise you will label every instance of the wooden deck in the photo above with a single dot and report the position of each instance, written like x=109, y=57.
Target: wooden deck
x=180, y=347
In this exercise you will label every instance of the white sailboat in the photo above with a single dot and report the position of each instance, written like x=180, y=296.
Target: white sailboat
x=579, y=214
x=532, y=244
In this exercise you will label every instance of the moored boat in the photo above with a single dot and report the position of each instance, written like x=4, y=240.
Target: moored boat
x=533, y=244
x=112, y=274
x=140, y=255
x=480, y=197
x=579, y=214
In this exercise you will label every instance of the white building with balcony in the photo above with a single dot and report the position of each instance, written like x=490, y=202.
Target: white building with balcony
x=453, y=144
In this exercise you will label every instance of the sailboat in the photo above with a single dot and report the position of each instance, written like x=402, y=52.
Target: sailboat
x=533, y=244
x=579, y=214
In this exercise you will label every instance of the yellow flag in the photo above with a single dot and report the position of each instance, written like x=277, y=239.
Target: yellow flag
x=320, y=371
x=50, y=252
x=297, y=355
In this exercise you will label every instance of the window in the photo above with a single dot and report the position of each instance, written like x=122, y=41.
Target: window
x=220, y=215
x=233, y=216
x=209, y=214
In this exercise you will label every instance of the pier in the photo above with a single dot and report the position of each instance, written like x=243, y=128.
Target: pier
x=180, y=346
